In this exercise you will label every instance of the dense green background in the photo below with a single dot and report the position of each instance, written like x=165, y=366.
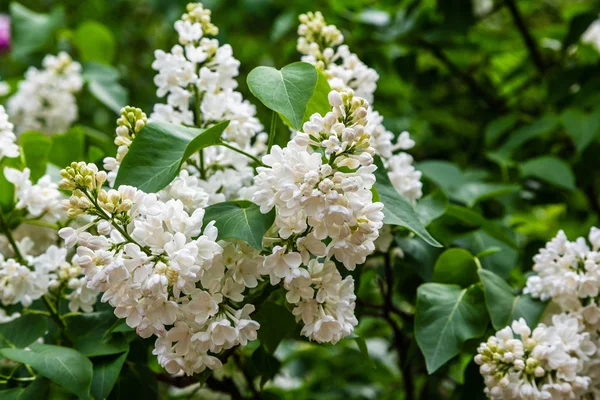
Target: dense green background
x=510, y=98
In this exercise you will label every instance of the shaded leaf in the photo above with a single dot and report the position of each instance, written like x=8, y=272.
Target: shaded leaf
x=581, y=126
x=502, y=304
x=35, y=149
x=23, y=331
x=456, y=266
x=240, y=220
x=32, y=30
x=550, y=169
x=398, y=211
x=94, y=42
x=62, y=365
x=278, y=321
x=446, y=316
x=106, y=372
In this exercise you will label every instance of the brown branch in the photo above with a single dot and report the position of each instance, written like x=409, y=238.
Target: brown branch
x=534, y=51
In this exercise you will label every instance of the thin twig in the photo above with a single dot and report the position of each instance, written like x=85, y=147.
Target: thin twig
x=491, y=100
x=399, y=339
x=5, y=228
x=534, y=51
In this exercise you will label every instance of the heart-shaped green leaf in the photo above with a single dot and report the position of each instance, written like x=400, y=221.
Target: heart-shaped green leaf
x=447, y=316
x=296, y=91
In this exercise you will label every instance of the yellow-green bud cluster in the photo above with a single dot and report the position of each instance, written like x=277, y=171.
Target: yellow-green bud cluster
x=317, y=38
x=197, y=13
x=130, y=123
x=82, y=176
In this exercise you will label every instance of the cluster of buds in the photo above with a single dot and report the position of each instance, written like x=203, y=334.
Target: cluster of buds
x=317, y=38
x=341, y=132
x=198, y=19
x=130, y=123
x=88, y=197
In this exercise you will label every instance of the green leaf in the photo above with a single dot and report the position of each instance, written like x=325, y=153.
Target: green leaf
x=550, y=169
x=398, y=211
x=240, y=220
x=94, y=42
x=456, y=266
x=502, y=304
x=474, y=219
x=447, y=316
x=578, y=25
x=155, y=156
x=419, y=256
x=62, y=365
x=278, y=321
x=498, y=127
x=36, y=149
x=31, y=30
x=265, y=363
x=7, y=189
x=296, y=91
x=67, y=147
x=37, y=389
x=493, y=254
x=581, y=126
x=103, y=83
x=462, y=187
x=23, y=331
x=362, y=347
x=88, y=333
x=106, y=372
x=522, y=135
x=432, y=206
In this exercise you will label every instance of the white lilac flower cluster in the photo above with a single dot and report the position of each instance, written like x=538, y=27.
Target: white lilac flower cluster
x=547, y=363
x=36, y=266
x=560, y=360
x=45, y=100
x=197, y=77
x=8, y=147
x=161, y=271
x=321, y=45
x=320, y=186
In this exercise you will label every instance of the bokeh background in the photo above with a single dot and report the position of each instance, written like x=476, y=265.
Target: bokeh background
x=501, y=97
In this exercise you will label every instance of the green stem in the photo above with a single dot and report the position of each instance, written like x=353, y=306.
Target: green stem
x=38, y=312
x=4, y=227
x=44, y=224
x=105, y=216
x=198, y=122
x=272, y=132
x=56, y=318
x=250, y=156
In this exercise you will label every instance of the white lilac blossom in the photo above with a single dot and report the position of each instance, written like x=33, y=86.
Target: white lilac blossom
x=198, y=79
x=592, y=34
x=4, y=88
x=45, y=100
x=568, y=273
x=559, y=360
x=8, y=147
x=547, y=363
x=320, y=186
x=322, y=300
x=321, y=45
x=200, y=73
x=161, y=271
